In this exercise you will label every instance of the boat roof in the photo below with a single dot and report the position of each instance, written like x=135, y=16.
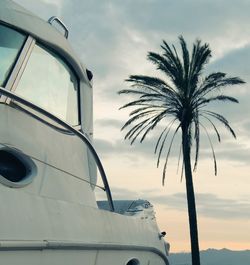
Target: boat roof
x=23, y=20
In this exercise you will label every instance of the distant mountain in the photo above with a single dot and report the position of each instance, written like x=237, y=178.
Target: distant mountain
x=213, y=257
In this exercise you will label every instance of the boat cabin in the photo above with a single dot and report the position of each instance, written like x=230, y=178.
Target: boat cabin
x=38, y=64
x=49, y=213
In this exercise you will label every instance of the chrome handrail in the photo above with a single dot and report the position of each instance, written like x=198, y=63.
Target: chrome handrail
x=58, y=20
x=82, y=136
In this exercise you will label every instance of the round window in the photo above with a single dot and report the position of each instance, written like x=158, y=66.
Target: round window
x=16, y=169
x=133, y=262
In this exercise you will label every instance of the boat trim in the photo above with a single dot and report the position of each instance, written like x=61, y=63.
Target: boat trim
x=83, y=136
x=65, y=245
x=22, y=62
x=22, y=58
x=50, y=124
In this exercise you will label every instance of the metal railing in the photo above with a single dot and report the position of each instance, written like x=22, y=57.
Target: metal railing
x=64, y=124
x=59, y=21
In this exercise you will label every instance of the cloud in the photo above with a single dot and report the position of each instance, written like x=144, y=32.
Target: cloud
x=43, y=8
x=124, y=194
x=109, y=123
x=121, y=147
x=234, y=152
x=145, y=149
x=234, y=62
x=113, y=37
x=228, y=149
x=213, y=21
x=246, y=126
x=208, y=205
x=212, y=206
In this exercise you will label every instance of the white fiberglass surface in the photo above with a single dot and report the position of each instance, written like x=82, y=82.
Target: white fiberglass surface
x=50, y=83
x=11, y=43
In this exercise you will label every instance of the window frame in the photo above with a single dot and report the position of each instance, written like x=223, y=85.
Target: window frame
x=20, y=65
x=18, y=60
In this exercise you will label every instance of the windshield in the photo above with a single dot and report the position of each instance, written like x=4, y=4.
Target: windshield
x=48, y=82
x=11, y=43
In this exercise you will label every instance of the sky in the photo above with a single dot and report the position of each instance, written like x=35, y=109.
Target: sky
x=112, y=38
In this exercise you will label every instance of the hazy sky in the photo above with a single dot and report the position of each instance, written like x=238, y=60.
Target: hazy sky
x=112, y=37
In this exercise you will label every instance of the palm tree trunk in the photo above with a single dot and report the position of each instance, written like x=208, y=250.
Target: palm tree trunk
x=193, y=229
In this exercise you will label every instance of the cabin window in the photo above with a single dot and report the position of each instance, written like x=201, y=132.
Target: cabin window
x=133, y=262
x=48, y=82
x=16, y=169
x=11, y=43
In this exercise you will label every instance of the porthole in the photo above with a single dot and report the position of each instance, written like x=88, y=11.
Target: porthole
x=16, y=169
x=133, y=262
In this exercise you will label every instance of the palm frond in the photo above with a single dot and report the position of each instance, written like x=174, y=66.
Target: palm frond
x=135, y=128
x=214, y=127
x=163, y=141
x=140, y=131
x=156, y=85
x=169, y=150
x=162, y=133
x=153, y=83
x=138, y=116
x=172, y=56
x=178, y=65
x=139, y=102
x=215, y=81
x=179, y=158
x=148, y=107
x=156, y=96
x=197, y=138
x=200, y=56
x=132, y=91
x=186, y=62
x=224, y=98
x=182, y=170
x=163, y=65
x=146, y=123
x=154, y=122
x=212, y=148
x=222, y=120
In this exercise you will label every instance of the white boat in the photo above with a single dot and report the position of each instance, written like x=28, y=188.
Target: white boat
x=49, y=213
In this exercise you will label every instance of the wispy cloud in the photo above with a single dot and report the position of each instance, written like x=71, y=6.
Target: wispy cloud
x=44, y=8
x=109, y=123
x=208, y=205
x=113, y=37
x=227, y=150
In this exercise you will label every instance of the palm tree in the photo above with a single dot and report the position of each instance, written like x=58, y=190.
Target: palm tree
x=179, y=101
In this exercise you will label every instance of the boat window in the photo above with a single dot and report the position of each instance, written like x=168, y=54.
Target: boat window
x=16, y=169
x=11, y=43
x=48, y=82
x=133, y=262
